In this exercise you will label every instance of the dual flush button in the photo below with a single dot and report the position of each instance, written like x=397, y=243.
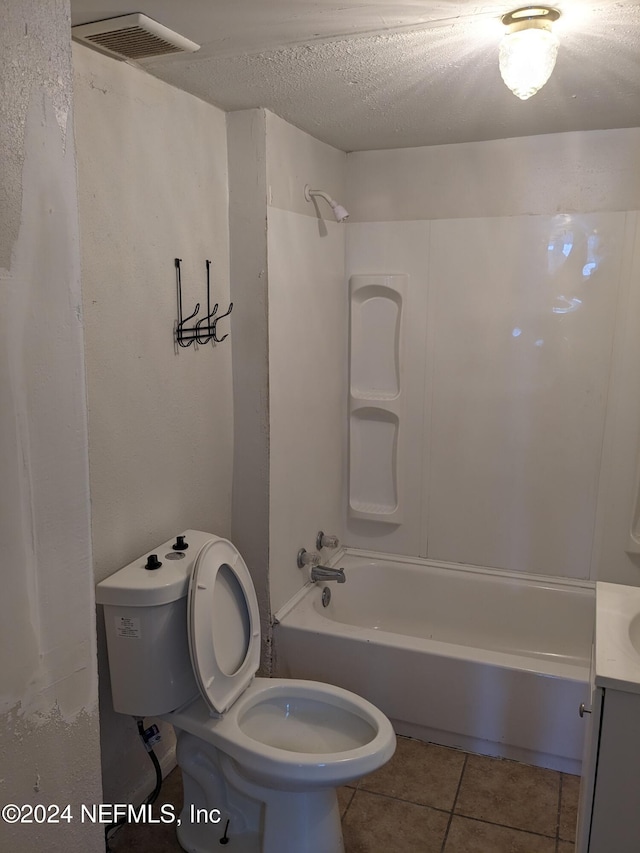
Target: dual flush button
x=179, y=547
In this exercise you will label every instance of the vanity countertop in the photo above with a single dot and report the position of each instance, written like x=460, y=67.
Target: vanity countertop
x=617, y=637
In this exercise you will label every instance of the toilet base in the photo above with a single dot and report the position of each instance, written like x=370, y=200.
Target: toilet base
x=303, y=822
x=260, y=820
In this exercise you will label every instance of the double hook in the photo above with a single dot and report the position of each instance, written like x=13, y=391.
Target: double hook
x=205, y=329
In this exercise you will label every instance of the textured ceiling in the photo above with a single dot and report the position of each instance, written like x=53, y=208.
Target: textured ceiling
x=388, y=75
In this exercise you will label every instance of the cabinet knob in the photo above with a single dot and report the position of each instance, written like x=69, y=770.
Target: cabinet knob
x=582, y=710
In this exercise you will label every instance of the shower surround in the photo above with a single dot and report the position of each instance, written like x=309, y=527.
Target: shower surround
x=507, y=446
x=504, y=349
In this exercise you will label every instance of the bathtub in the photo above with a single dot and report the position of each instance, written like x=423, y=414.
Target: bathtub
x=491, y=662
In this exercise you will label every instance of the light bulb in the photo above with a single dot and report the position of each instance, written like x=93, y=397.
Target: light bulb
x=529, y=49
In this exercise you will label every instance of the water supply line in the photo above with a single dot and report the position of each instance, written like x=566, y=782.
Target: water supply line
x=149, y=737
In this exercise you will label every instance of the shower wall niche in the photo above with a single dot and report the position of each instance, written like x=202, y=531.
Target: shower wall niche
x=376, y=398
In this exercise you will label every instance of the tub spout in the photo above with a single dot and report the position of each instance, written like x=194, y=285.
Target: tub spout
x=324, y=573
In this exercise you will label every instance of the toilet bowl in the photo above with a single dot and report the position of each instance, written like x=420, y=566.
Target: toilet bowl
x=260, y=757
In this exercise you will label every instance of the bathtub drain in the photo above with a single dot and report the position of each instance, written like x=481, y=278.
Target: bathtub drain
x=326, y=596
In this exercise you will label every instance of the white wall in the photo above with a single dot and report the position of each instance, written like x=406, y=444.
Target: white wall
x=287, y=265
x=49, y=751
x=527, y=430
x=521, y=347
x=247, y=140
x=557, y=173
x=618, y=488
x=152, y=167
x=307, y=350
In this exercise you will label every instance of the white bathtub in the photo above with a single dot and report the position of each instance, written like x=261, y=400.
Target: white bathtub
x=491, y=662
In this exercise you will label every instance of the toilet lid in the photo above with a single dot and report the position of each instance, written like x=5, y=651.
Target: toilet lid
x=223, y=624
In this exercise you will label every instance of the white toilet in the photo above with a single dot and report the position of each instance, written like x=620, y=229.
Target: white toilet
x=260, y=757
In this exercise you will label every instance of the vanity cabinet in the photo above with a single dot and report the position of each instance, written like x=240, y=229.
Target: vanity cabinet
x=609, y=812
x=589, y=762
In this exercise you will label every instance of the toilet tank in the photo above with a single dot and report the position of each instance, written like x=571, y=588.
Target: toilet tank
x=145, y=619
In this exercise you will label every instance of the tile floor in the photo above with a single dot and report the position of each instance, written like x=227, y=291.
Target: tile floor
x=429, y=799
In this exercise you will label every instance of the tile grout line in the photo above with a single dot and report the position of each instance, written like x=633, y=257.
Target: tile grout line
x=559, y=813
x=453, y=805
x=404, y=800
x=507, y=826
x=351, y=799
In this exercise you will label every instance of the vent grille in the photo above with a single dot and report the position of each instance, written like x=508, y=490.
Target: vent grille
x=133, y=37
x=133, y=43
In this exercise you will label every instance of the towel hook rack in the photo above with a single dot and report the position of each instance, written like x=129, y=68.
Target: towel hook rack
x=205, y=329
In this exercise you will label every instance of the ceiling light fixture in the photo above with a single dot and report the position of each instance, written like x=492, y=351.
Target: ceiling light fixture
x=528, y=50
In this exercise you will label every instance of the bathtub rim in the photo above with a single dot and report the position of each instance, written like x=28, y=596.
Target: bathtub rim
x=422, y=562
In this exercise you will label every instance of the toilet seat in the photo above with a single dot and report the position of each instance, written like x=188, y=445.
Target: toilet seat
x=291, y=768
x=223, y=624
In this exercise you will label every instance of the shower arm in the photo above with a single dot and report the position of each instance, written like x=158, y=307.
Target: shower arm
x=309, y=194
x=339, y=211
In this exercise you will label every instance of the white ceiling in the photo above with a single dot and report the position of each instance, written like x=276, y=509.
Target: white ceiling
x=382, y=74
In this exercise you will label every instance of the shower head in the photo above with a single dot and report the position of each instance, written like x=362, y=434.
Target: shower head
x=339, y=211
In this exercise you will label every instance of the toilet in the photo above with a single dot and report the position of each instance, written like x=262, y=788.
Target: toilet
x=261, y=758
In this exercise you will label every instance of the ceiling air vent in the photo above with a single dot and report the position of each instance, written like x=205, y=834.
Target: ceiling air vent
x=132, y=37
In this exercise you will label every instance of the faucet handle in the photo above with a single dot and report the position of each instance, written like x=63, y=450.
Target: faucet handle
x=325, y=540
x=307, y=558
